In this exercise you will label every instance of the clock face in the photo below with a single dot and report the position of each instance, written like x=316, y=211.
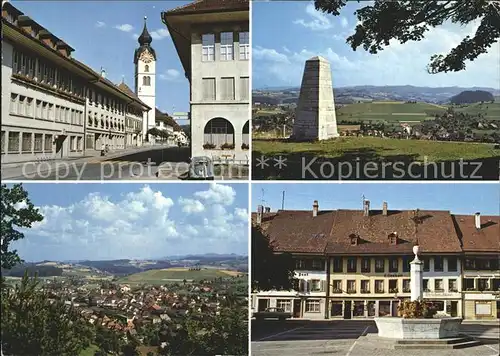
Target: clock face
x=146, y=57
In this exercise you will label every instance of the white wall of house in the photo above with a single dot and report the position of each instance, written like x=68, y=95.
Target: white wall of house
x=147, y=94
x=18, y=121
x=234, y=108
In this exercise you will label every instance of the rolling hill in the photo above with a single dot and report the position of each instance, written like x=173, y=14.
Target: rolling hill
x=176, y=274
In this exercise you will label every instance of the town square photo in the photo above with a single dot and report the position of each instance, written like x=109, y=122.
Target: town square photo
x=374, y=90
x=383, y=269
x=137, y=90
x=124, y=269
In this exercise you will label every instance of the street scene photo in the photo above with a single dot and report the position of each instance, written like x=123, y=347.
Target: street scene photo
x=375, y=269
x=137, y=90
x=124, y=269
x=374, y=90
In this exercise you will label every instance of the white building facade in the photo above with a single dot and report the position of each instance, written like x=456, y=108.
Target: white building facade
x=145, y=78
x=53, y=106
x=442, y=284
x=309, y=297
x=212, y=41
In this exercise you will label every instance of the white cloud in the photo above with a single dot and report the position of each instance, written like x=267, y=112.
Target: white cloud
x=398, y=64
x=125, y=27
x=170, y=75
x=317, y=21
x=343, y=22
x=160, y=34
x=241, y=214
x=140, y=224
x=100, y=24
x=218, y=194
x=191, y=206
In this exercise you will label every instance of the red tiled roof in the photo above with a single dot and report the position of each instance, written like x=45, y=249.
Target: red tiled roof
x=298, y=231
x=330, y=231
x=486, y=239
x=201, y=6
x=434, y=233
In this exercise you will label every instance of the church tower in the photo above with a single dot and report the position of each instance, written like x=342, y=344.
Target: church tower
x=145, y=83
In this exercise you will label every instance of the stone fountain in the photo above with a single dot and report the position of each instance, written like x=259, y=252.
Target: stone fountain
x=422, y=332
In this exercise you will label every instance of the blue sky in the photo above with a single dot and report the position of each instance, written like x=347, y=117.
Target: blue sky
x=133, y=220
x=104, y=33
x=286, y=34
x=457, y=198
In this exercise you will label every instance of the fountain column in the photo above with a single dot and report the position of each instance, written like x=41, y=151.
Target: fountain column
x=416, y=276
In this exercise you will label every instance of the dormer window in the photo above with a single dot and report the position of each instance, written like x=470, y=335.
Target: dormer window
x=393, y=238
x=354, y=239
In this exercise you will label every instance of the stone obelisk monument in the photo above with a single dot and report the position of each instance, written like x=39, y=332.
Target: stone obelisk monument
x=416, y=276
x=315, y=116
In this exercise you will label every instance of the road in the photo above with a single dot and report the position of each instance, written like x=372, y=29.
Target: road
x=350, y=338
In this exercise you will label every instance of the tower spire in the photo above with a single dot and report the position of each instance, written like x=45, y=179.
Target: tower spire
x=145, y=38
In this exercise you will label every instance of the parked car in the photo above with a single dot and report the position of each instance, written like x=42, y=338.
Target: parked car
x=272, y=313
x=201, y=168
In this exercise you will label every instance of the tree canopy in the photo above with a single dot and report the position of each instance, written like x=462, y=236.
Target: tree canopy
x=32, y=324
x=409, y=20
x=16, y=212
x=269, y=270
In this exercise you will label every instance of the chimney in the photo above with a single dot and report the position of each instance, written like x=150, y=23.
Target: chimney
x=315, y=208
x=103, y=72
x=384, y=208
x=366, y=208
x=267, y=209
x=477, y=220
x=260, y=209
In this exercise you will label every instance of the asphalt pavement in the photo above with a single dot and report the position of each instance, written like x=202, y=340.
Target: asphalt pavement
x=351, y=338
x=142, y=164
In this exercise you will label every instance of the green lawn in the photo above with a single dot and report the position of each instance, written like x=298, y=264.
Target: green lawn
x=89, y=351
x=433, y=150
x=172, y=275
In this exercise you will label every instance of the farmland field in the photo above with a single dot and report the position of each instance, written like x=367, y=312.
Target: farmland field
x=163, y=276
x=388, y=111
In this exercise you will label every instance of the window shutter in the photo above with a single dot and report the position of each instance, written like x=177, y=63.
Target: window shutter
x=323, y=284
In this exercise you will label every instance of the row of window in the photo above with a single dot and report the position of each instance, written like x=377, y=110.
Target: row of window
x=28, y=107
x=311, y=305
x=45, y=73
x=105, y=122
x=393, y=265
x=28, y=142
x=227, y=42
x=133, y=124
x=482, y=284
x=225, y=88
x=351, y=286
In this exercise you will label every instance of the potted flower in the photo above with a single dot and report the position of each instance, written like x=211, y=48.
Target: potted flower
x=245, y=146
x=208, y=146
x=227, y=146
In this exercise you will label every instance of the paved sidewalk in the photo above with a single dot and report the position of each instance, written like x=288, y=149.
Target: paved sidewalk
x=30, y=169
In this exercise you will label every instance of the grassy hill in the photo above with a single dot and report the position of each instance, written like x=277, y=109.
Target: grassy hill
x=172, y=275
x=391, y=111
